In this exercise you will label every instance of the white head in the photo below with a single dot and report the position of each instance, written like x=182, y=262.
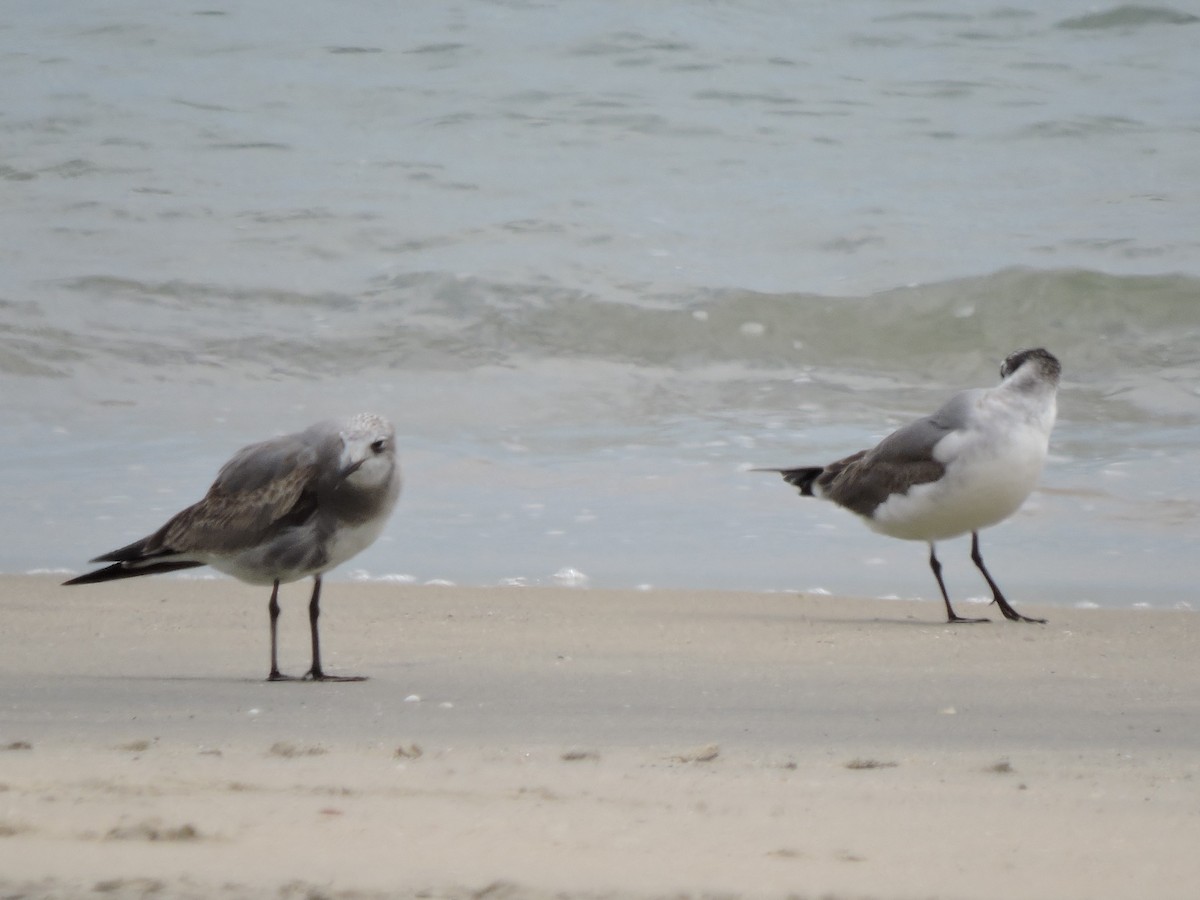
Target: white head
x=368, y=450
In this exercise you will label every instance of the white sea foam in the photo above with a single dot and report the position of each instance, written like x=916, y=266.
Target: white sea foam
x=568, y=577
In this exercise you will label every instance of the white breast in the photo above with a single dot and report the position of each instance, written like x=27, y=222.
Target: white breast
x=351, y=540
x=991, y=468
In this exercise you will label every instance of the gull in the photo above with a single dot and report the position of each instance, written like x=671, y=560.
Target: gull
x=279, y=511
x=969, y=465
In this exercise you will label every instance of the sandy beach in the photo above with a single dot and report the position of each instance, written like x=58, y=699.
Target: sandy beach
x=545, y=742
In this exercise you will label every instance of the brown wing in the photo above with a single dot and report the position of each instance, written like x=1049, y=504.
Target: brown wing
x=264, y=488
x=228, y=520
x=862, y=481
x=224, y=520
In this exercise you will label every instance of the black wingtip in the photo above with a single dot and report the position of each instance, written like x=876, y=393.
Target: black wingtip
x=121, y=570
x=130, y=553
x=93, y=577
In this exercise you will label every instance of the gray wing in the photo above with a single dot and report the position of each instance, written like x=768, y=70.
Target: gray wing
x=915, y=441
x=864, y=480
x=259, y=465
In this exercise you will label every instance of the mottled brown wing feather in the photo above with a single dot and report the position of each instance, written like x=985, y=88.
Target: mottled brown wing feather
x=225, y=521
x=860, y=483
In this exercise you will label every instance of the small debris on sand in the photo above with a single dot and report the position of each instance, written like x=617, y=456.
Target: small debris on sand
x=707, y=753
x=870, y=764
x=291, y=751
x=578, y=755
x=152, y=831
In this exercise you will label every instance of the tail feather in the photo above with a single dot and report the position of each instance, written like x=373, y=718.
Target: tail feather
x=802, y=478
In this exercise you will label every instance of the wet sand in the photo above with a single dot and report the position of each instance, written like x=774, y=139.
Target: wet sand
x=545, y=742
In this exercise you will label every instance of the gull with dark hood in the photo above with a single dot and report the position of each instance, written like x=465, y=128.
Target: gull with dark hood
x=969, y=465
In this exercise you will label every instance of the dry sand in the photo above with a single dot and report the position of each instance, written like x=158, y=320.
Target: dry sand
x=583, y=743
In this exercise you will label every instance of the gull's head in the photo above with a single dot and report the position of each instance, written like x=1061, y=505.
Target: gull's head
x=1031, y=369
x=368, y=450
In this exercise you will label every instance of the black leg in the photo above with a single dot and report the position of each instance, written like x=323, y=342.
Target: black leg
x=998, y=598
x=316, y=673
x=314, y=613
x=951, y=615
x=273, y=609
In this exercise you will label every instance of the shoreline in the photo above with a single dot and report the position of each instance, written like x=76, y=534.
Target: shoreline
x=553, y=742
x=571, y=580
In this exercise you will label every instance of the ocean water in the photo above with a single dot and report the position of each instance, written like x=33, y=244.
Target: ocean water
x=596, y=260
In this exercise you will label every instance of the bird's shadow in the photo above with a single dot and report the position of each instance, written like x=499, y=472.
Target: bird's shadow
x=213, y=679
x=917, y=623
x=794, y=618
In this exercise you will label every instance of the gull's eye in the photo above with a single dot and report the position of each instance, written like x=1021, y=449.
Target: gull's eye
x=379, y=446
